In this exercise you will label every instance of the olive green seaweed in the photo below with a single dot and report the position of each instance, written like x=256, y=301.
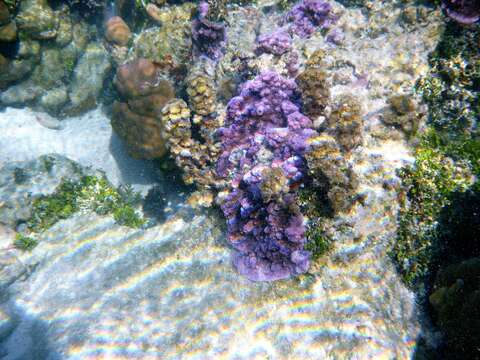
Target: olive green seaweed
x=429, y=186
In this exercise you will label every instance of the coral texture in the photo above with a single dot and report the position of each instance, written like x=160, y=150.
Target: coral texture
x=314, y=86
x=308, y=15
x=137, y=119
x=276, y=43
x=330, y=174
x=117, y=31
x=194, y=158
x=208, y=36
x=464, y=11
x=264, y=143
x=346, y=122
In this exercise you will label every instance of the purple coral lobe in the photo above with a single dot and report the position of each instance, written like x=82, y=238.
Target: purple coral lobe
x=277, y=43
x=308, y=15
x=463, y=11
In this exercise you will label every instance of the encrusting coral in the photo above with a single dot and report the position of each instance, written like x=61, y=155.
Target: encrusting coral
x=137, y=118
x=277, y=43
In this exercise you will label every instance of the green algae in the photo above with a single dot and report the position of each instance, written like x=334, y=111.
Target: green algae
x=316, y=208
x=91, y=193
x=430, y=185
x=318, y=242
x=24, y=242
x=447, y=159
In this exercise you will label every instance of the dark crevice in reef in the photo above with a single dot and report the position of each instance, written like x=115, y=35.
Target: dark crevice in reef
x=438, y=248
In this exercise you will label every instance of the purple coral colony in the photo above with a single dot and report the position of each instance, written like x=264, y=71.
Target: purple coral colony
x=257, y=164
x=263, y=145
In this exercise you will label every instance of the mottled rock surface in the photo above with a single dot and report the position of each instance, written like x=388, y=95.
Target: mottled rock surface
x=95, y=289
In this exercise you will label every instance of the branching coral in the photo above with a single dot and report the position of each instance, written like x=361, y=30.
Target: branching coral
x=263, y=157
x=309, y=15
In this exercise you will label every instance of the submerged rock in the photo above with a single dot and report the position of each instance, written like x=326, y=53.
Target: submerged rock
x=88, y=77
x=171, y=292
x=8, y=32
x=37, y=19
x=22, y=182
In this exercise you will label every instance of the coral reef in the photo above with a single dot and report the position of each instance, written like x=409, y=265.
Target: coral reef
x=464, y=11
x=309, y=15
x=37, y=19
x=168, y=45
x=403, y=113
x=54, y=65
x=137, y=119
x=195, y=158
x=201, y=91
x=264, y=142
x=451, y=87
x=208, y=32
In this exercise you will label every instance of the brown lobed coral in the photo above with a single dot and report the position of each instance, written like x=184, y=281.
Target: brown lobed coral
x=117, y=31
x=136, y=119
